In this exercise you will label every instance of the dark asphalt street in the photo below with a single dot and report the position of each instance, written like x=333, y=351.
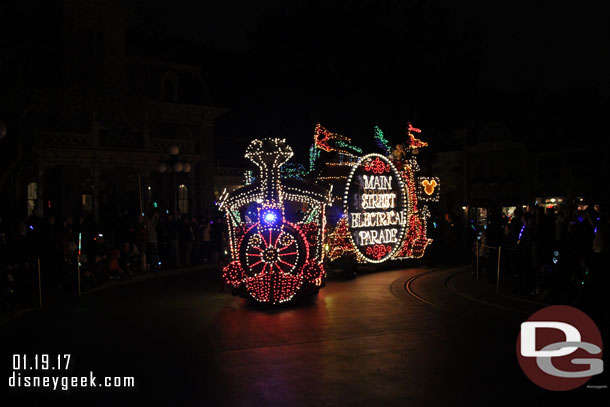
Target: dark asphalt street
x=404, y=337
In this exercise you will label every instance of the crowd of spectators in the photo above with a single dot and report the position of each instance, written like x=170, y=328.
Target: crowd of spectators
x=116, y=250
x=548, y=254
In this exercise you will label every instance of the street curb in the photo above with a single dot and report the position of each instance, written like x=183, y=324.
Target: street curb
x=153, y=276
x=19, y=313
x=468, y=294
x=15, y=315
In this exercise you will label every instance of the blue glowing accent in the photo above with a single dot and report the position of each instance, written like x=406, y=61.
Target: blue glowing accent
x=32, y=228
x=473, y=228
x=434, y=224
x=155, y=204
x=556, y=253
x=521, y=232
x=595, y=231
x=485, y=227
x=270, y=216
x=555, y=260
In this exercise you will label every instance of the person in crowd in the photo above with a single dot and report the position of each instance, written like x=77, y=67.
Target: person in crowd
x=543, y=235
x=114, y=268
x=22, y=266
x=152, y=255
x=197, y=233
x=561, y=229
x=88, y=280
x=98, y=268
x=206, y=232
x=187, y=237
x=453, y=231
x=217, y=230
x=172, y=242
x=513, y=228
x=127, y=261
x=66, y=235
x=141, y=234
x=524, y=252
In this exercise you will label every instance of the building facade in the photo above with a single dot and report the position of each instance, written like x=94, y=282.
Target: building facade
x=494, y=169
x=101, y=129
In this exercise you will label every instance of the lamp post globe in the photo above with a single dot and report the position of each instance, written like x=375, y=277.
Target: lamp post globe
x=174, y=150
x=178, y=167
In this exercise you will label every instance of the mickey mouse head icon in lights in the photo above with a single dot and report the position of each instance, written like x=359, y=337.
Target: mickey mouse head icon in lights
x=429, y=189
x=429, y=186
x=275, y=254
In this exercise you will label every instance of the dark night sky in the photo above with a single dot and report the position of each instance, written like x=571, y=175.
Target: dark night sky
x=282, y=66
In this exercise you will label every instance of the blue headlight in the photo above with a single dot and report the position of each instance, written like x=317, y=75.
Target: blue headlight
x=270, y=216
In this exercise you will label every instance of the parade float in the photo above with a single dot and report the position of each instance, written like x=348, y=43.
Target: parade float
x=380, y=199
x=288, y=223
x=276, y=230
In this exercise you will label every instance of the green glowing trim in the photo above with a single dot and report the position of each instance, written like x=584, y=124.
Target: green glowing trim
x=347, y=145
x=382, y=142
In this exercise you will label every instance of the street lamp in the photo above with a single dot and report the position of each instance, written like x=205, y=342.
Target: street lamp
x=173, y=163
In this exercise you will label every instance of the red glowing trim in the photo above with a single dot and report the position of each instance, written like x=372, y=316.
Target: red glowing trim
x=413, y=141
x=378, y=251
x=322, y=137
x=411, y=128
x=376, y=166
x=258, y=262
x=282, y=261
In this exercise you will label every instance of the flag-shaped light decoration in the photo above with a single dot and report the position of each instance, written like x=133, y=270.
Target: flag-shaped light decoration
x=276, y=229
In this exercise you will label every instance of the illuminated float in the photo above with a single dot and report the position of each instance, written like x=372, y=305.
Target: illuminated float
x=378, y=215
x=276, y=230
x=281, y=234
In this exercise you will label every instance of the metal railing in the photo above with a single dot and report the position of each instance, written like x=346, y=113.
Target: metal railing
x=479, y=245
x=26, y=281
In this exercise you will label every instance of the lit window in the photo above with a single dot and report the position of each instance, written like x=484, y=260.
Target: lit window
x=87, y=201
x=183, y=198
x=32, y=197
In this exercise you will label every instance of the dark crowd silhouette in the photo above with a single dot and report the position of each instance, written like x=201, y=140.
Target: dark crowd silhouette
x=547, y=255
x=119, y=250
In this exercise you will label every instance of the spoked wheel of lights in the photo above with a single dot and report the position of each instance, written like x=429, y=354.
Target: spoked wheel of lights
x=273, y=258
